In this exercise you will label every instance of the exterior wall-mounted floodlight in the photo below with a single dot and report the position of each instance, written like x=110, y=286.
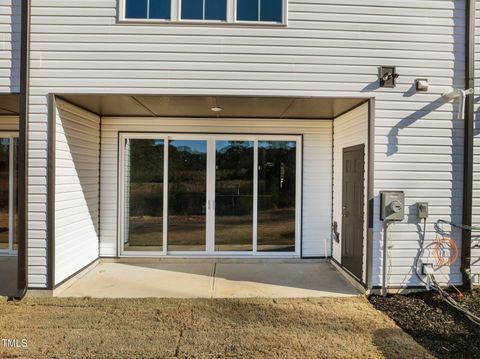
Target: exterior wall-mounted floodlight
x=388, y=76
x=461, y=95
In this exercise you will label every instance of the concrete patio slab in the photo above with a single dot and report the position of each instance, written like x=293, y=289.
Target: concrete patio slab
x=122, y=280
x=211, y=279
x=280, y=280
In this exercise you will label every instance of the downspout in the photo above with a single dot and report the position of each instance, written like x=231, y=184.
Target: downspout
x=23, y=152
x=468, y=144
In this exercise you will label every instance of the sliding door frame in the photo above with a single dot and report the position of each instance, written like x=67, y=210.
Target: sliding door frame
x=11, y=135
x=211, y=139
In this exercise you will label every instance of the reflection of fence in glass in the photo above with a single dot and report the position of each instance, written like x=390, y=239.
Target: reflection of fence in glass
x=187, y=194
x=4, y=192
x=234, y=196
x=144, y=177
x=8, y=194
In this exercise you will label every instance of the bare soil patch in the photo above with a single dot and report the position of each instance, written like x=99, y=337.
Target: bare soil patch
x=169, y=328
x=444, y=331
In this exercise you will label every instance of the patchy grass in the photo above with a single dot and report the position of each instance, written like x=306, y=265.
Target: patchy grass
x=168, y=328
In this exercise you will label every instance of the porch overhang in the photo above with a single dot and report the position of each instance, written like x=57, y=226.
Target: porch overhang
x=9, y=104
x=201, y=106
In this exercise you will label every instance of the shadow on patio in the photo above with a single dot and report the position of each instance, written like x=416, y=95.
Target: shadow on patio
x=211, y=279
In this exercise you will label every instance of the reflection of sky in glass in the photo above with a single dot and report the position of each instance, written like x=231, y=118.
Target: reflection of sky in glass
x=277, y=144
x=4, y=141
x=159, y=9
x=158, y=142
x=136, y=9
x=215, y=9
x=190, y=146
x=271, y=10
x=224, y=145
x=143, y=9
x=247, y=10
x=192, y=9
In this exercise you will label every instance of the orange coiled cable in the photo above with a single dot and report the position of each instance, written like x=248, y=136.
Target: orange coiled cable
x=445, y=251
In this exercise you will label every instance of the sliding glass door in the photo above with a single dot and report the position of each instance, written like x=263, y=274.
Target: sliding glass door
x=187, y=195
x=8, y=193
x=210, y=194
x=234, y=172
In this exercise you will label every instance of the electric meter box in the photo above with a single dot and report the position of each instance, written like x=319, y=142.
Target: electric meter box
x=392, y=206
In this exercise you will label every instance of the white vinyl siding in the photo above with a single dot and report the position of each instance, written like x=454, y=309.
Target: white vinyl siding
x=10, y=29
x=349, y=130
x=476, y=157
x=76, y=189
x=330, y=48
x=317, y=142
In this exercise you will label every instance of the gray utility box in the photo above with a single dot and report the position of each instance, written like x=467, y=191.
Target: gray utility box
x=392, y=206
x=422, y=210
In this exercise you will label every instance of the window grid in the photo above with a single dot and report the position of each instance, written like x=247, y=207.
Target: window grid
x=230, y=18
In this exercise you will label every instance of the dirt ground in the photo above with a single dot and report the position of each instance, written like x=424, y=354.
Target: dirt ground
x=442, y=330
x=169, y=328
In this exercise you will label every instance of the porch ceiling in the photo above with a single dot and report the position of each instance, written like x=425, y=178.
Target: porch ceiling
x=201, y=106
x=9, y=104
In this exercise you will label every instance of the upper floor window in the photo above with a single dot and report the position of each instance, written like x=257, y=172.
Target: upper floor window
x=147, y=9
x=204, y=10
x=229, y=11
x=259, y=10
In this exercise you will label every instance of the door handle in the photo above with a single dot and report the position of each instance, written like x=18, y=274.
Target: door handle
x=344, y=211
x=335, y=232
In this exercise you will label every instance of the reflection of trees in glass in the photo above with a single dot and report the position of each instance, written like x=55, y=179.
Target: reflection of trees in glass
x=146, y=177
x=276, y=195
x=146, y=161
x=234, y=177
x=187, y=192
x=234, y=196
x=277, y=167
x=187, y=164
x=4, y=191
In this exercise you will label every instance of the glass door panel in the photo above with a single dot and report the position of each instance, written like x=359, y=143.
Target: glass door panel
x=276, y=196
x=144, y=195
x=4, y=193
x=187, y=195
x=15, y=193
x=234, y=189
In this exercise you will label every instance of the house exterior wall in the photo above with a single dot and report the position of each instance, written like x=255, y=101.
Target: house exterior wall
x=476, y=157
x=10, y=31
x=349, y=130
x=317, y=169
x=329, y=48
x=77, y=169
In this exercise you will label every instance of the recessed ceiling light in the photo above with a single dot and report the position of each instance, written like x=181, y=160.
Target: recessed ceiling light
x=217, y=109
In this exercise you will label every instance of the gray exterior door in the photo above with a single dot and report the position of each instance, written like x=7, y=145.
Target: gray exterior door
x=352, y=209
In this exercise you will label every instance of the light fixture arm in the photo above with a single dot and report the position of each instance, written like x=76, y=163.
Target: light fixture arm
x=461, y=95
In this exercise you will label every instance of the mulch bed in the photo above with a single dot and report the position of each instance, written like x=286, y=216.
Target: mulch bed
x=444, y=331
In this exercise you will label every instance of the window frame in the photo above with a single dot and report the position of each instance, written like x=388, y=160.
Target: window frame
x=176, y=18
x=211, y=139
x=11, y=135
